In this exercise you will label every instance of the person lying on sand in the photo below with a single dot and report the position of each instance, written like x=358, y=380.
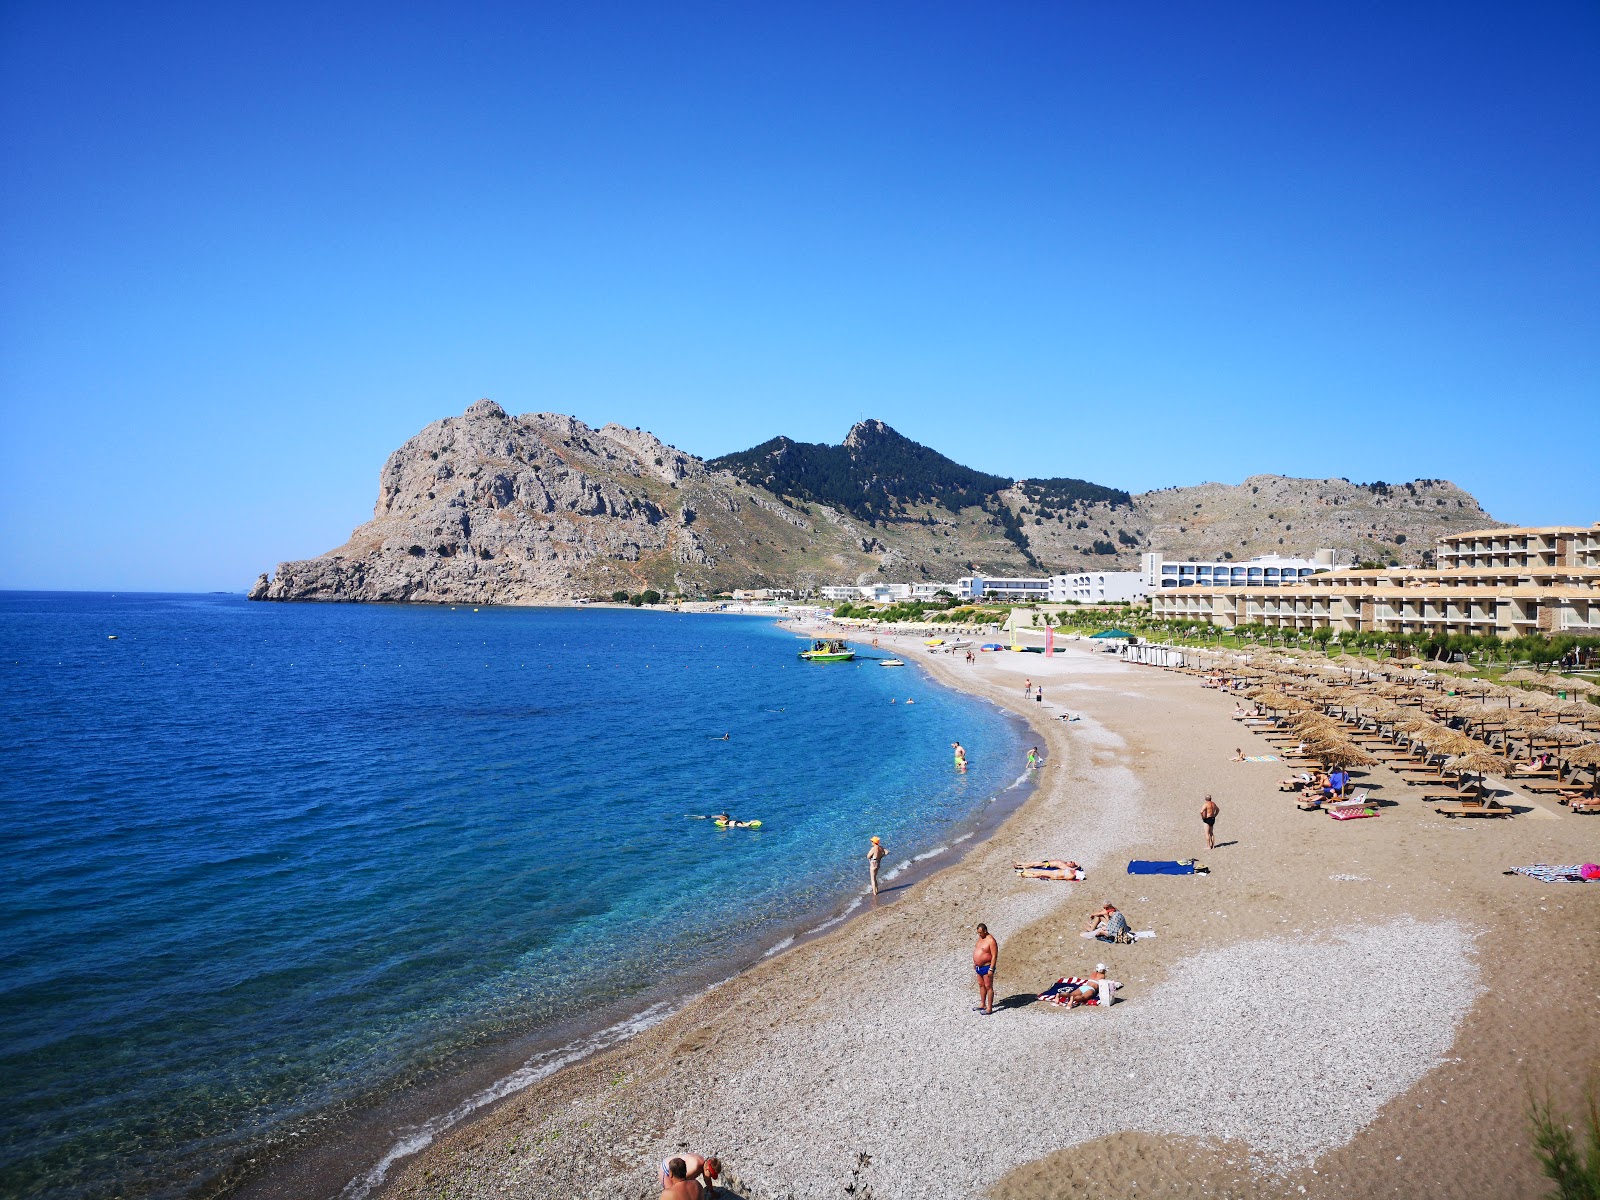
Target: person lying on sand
x=681, y=1176
x=1047, y=864
x=1088, y=989
x=1062, y=875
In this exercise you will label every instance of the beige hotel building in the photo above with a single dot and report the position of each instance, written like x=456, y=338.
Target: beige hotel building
x=1507, y=582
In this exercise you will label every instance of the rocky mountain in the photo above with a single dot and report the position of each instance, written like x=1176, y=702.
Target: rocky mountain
x=486, y=507
x=1266, y=514
x=540, y=508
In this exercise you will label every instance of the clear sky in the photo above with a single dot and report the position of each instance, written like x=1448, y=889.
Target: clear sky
x=246, y=251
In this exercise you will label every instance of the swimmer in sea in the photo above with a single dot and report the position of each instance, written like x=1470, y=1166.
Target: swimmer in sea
x=961, y=756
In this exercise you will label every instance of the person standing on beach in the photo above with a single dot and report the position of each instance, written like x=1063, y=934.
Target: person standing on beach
x=875, y=855
x=1208, y=814
x=1027, y=687
x=985, y=962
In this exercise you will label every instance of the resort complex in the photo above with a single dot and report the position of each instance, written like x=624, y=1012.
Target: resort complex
x=1506, y=582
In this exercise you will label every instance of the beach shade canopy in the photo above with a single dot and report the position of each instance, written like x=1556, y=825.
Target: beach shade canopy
x=1334, y=751
x=1522, y=675
x=1111, y=633
x=1586, y=755
x=1479, y=761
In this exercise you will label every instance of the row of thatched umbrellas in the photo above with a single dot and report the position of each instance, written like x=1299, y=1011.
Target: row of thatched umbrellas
x=1393, y=697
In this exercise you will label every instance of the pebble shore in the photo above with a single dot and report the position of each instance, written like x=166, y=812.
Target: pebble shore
x=1314, y=1017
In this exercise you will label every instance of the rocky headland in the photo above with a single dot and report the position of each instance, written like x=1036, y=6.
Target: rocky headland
x=540, y=509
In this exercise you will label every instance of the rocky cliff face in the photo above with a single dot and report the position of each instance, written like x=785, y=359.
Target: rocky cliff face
x=495, y=509
x=540, y=508
x=1266, y=514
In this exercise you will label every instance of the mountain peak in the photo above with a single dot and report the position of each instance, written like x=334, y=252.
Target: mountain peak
x=871, y=432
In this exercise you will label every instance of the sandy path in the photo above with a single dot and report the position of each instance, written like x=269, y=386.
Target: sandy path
x=1316, y=1014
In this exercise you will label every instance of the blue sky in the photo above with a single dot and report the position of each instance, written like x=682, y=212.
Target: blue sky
x=245, y=252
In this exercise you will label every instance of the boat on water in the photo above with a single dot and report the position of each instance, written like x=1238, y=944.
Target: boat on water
x=827, y=650
x=890, y=662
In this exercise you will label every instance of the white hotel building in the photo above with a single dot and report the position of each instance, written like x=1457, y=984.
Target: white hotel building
x=1507, y=582
x=1267, y=570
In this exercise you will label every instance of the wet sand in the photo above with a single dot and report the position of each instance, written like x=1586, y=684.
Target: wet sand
x=1352, y=1008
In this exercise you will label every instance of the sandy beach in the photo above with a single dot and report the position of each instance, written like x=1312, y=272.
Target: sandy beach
x=1337, y=1009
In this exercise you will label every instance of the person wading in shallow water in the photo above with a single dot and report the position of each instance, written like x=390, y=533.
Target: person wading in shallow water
x=985, y=962
x=875, y=855
x=1208, y=814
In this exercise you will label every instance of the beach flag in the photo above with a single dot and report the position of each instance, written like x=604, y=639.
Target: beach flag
x=1049, y=641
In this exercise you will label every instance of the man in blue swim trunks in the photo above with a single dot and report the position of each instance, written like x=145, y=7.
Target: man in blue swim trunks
x=985, y=961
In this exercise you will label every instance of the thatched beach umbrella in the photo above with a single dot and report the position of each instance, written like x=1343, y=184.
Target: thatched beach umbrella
x=1338, y=752
x=1479, y=761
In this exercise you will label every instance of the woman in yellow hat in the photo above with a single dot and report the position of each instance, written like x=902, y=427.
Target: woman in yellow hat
x=875, y=856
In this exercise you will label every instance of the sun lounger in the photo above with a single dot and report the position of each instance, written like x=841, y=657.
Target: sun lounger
x=1473, y=808
x=1354, y=800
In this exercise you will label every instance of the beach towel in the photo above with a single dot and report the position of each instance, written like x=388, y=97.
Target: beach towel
x=1141, y=866
x=1061, y=990
x=1138, y=937
x=1546, y=873
x=1350, y=814
x=1261, y=758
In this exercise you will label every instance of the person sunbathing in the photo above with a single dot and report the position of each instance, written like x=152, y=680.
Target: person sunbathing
x=1239, y=713
x=1537, y=763
x=1089, y=989
x=1048, y=864
x=1064, y=874
x=1296, y=783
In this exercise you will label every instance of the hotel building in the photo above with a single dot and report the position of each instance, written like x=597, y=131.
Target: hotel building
x=1267, y=570
x=1507, y=582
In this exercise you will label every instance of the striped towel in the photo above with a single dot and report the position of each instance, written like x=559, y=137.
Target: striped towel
x=1548, y=874
x=1061, y=990
x=1261, y=758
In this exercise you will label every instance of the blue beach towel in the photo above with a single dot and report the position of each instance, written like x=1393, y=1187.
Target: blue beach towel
x=1141, y=866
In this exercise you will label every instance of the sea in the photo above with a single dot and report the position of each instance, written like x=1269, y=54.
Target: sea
x=269, y=867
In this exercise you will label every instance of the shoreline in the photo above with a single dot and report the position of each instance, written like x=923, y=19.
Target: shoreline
x=473, y=1089
x=1247, y=1075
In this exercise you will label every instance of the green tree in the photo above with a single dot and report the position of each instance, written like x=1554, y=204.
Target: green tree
x=620, y=597
x=1574, y=1168
x=651, y=596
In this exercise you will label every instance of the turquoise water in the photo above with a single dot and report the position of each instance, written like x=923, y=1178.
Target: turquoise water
x=268, y=861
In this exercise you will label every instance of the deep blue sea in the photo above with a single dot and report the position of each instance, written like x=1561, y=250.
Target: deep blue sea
x=266, y=862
